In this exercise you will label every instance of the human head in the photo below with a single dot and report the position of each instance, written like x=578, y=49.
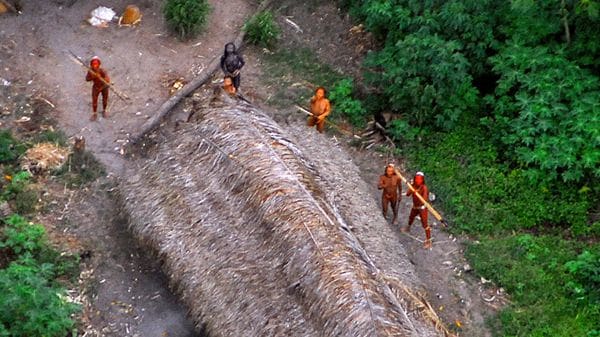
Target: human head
x=227, y=81
x=419, y=178
x=229, y=48
x=389, y=170
x=320, y=92
x=95, y=62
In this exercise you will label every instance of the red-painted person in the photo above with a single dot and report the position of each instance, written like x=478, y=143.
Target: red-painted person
x=96, y=74
x=419, y=208
x=391, y=185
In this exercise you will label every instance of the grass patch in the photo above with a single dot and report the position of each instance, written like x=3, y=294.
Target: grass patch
x=294, y=74
x=50, y=136
x=548, y=299
x=480, y=195
x=80, y=169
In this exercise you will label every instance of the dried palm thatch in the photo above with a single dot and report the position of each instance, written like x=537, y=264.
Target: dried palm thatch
x=44, y=157
x=251, y=241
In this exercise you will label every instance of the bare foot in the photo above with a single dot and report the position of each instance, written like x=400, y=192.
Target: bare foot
x=94, y=117
x=427, y=244
x=105, y=114
x=405, y=229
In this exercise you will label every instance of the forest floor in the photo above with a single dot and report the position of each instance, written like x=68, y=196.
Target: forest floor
x=129, y=296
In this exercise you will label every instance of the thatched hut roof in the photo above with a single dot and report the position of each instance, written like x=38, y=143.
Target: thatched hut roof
x=253, y=239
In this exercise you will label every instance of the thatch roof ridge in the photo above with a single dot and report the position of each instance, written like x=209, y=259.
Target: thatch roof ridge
x=329, y=285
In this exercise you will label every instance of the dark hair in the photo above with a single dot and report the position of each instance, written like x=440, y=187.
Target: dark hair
x=227, y=76
x=321, y=88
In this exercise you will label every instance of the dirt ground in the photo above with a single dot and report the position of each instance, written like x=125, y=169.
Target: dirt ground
x=129, y=295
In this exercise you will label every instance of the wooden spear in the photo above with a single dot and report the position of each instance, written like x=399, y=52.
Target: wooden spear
x=77, y=60
x=435, y=213
x=328, y=122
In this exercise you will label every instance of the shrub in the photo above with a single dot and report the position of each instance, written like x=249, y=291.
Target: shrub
x=585, y=270
x=22, y=237
x=262, y=30
x=30, y=305
x=186, y=17
x=546, y=115
x=10, y=149
x=18, y=183
x=31, y=302
x=341, y=97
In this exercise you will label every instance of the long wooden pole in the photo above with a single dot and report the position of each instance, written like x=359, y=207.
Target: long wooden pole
x=435, y=213
x=328, y=122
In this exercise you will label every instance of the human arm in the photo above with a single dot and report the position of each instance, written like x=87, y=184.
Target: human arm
x=381, y=183
x=223, y=64
x=326, y=109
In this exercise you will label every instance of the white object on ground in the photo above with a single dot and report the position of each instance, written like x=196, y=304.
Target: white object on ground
x=101, y=16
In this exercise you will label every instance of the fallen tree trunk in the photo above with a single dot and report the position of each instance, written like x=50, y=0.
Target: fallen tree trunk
x=194, y=84
x=250, y=239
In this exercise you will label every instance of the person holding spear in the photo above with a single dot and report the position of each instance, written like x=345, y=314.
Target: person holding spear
x=101, y=81
x=319, y=109
x=419, y=208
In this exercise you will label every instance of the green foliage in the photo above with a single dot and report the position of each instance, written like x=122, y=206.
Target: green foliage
x=22, y=237
x=547, y=115
x=31, y=302
x=10, y=148
x=585, y=271
x=424, y=77
x=30, y=305
x=341, y=96
x=25, y=198
x=262, y=30
x=288, y=72
x=532, y=269
x=186, y=17
x=17, y=184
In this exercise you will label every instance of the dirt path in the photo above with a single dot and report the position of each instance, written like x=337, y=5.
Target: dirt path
x=130, y=296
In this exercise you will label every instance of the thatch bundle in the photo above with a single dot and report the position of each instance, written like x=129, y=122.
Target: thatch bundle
x=44, y=157
x=253, y=241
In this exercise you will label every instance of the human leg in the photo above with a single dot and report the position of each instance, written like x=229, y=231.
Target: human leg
x=104, y=102
x=95, y=94
x=236, y=82
x=424, y=222
x=411, y=219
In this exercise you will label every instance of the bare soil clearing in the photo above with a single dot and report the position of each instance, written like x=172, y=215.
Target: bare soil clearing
x=130, y=293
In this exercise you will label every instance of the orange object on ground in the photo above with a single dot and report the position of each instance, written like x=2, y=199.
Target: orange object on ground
x=131, y=16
